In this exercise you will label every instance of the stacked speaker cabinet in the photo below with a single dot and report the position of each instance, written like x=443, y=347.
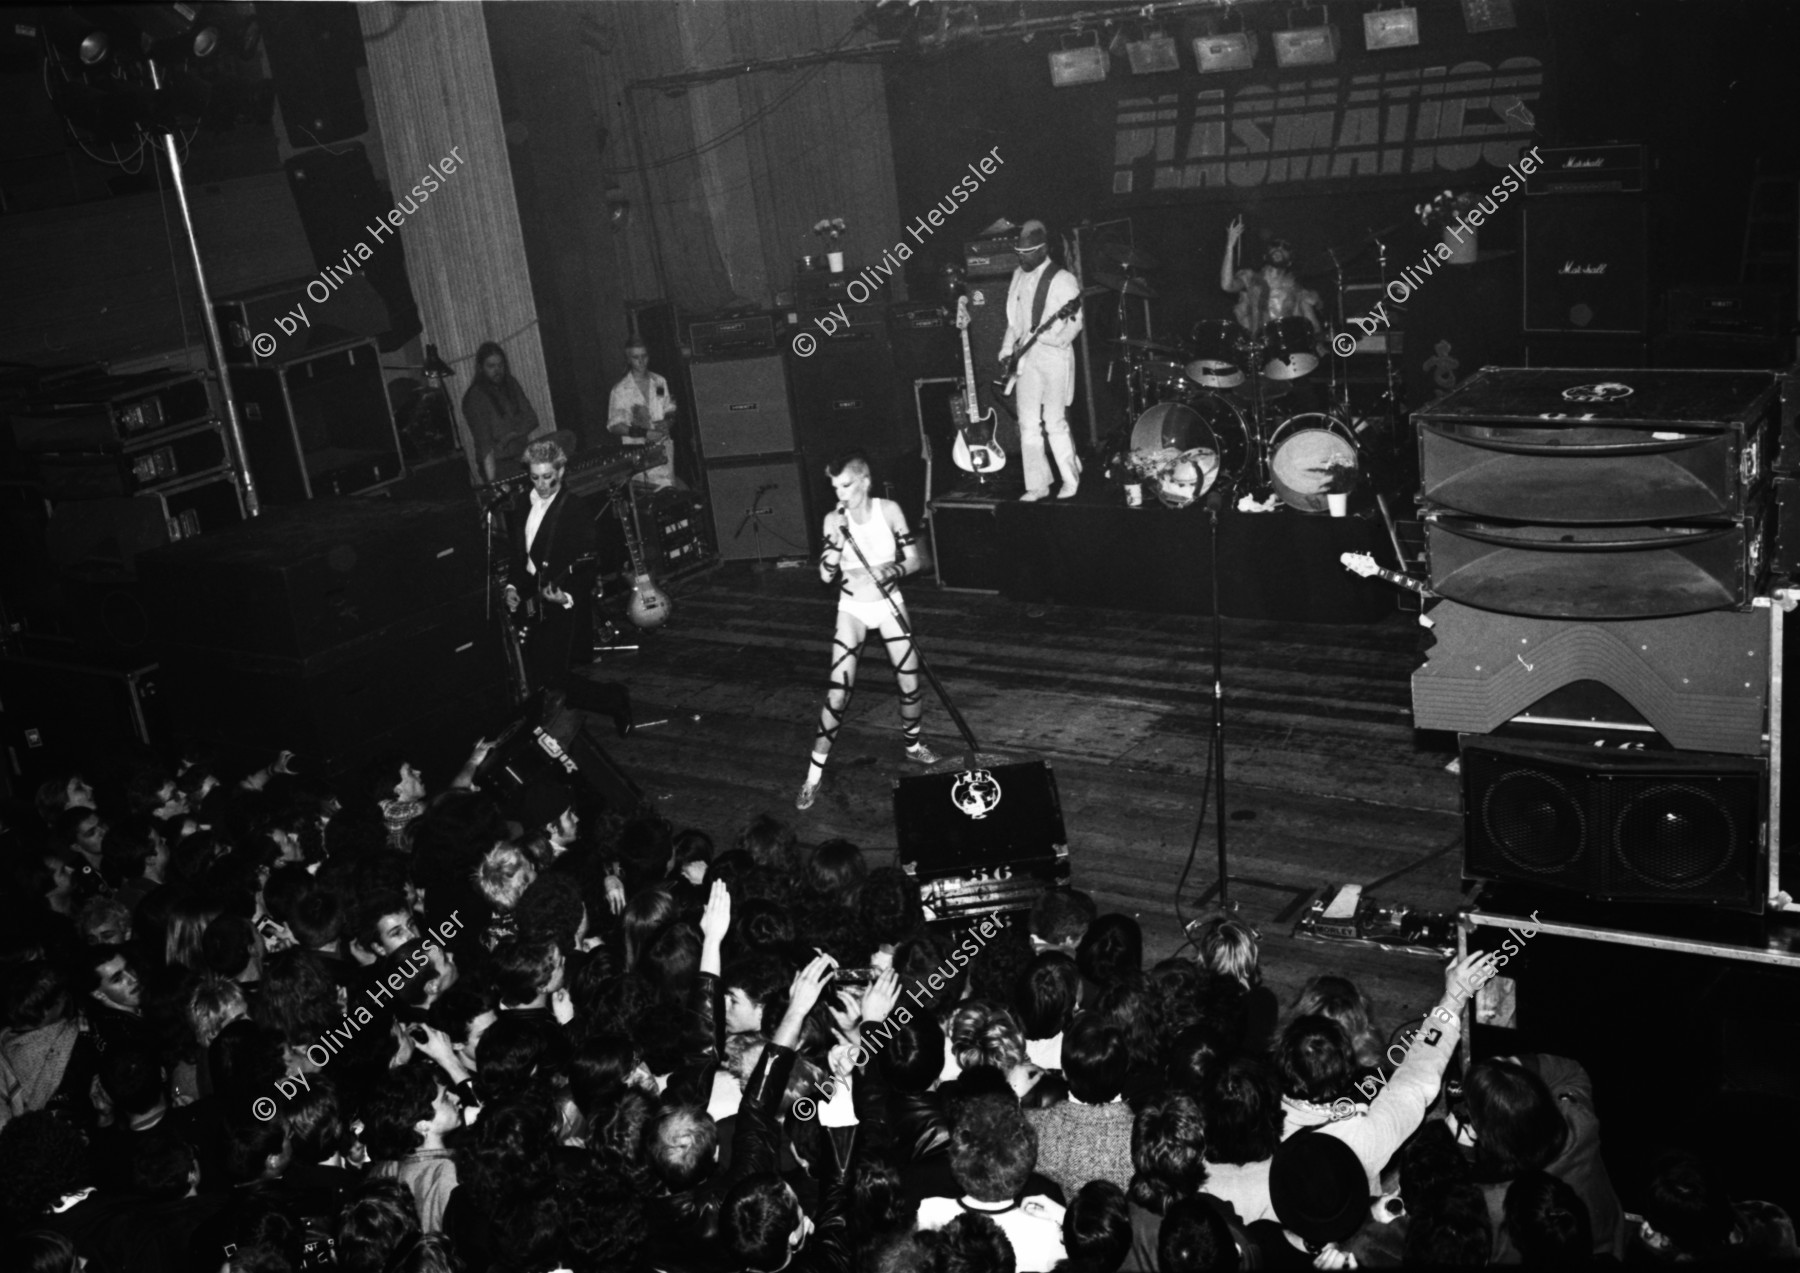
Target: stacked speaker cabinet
x=343, y=629
x=318, y=424
x=745, y=426
x=1607, y=530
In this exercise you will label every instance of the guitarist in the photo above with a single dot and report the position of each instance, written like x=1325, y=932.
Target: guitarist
x=1046, y=371
x=553, y=549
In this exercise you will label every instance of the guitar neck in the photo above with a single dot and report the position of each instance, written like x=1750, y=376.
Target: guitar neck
x=969, y=376
x=1405, y=581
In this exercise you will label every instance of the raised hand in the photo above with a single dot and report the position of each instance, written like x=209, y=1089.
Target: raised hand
x=881, y=996
x=716, y=918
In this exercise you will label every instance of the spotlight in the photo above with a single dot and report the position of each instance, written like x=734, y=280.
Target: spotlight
x=1152, y=54
x=1306, y=46
x=93, y=47
x=1234, y=51
x=1489, y=15
x=1086, y=64
x=1391, y=29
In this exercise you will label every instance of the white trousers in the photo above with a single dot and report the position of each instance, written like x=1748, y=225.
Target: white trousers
x=1044, y=390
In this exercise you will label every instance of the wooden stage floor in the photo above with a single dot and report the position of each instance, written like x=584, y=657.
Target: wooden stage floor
x=1324, y=779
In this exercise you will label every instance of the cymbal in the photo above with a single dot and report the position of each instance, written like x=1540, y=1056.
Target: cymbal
x=1148, y=346
x=1127, y=285
x=1130, y=257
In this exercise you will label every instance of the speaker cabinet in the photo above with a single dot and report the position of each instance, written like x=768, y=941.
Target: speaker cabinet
x=318, y=425
x=978, y=820
x=1566, y=446
x=741, y=407
x=759, y=508
x=1617, y=826
x=314, y=52
x=1699, y=680
x=1595, y=572
x=302, y=580
x=337, y=197
x=1584, y=266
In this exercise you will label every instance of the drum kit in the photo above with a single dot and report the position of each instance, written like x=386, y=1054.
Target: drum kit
x=1218, y=398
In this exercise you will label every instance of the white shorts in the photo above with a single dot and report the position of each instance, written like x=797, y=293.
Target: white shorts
x=871, y=614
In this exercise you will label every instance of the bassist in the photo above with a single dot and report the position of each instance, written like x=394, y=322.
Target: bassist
x=1045, y=370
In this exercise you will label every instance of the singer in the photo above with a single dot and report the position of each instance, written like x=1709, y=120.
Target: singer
x=867, y=598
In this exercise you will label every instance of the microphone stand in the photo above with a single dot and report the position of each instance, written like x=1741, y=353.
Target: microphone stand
x=1215, y=498
x=887, y=595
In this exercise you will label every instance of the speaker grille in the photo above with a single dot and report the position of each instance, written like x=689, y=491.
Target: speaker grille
x=1617, y=826
x=1535, y=821
x=1675, y=836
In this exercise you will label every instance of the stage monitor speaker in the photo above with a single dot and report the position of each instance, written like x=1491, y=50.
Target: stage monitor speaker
x=337, y=197
x=1563, y=446
x=301, y=580
x=314, y=52
x=1595, y=572
x=759, y=508
x=318, y=425
x=565, y=751
x=1615, y=825
x=741, y=407
x=982, y=840
x=1699, y=680
x=1584, y=266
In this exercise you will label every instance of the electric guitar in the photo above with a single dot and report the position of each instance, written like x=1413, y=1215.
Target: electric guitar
x=1009, y=366
x=649, y=606
x=976, y=449
x=532, y=604
x=1364, y=565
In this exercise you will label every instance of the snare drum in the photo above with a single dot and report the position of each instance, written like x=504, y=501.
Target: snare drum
x=1218, y=354
x=1288, y=349
x=1208, y=422
x=1303, y=450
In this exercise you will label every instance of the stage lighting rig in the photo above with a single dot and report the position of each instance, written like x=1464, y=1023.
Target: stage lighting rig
x=1083, y=64
x=1391, y=29
x=1306, y=46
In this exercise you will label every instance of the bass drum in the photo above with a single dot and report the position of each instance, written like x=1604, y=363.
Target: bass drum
x=1218, y=353
x=1303, y=451
x=1207, y=423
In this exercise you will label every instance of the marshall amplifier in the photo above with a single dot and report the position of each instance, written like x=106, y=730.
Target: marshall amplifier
x=1584, y=266
x=1616, y=169
x=106, y=412
x=913, y=316
x=992, y=257
x=1747, y=313
x=750, y=336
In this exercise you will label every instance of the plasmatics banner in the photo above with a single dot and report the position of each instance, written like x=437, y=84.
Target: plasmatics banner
x=1372, y=122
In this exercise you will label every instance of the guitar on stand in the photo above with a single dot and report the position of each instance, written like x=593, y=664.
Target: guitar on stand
x=976, y=450
x=649, y=606
x=1365, y=565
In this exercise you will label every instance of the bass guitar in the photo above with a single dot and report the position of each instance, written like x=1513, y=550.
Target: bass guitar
x=1009, y=366
x=649, y=606
x=532, y=604
x=976, y=450
x=1364, y=565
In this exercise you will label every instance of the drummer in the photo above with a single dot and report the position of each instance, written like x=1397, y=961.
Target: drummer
x=1270, y=294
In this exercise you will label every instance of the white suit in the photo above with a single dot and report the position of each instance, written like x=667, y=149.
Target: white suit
x=1046, y=375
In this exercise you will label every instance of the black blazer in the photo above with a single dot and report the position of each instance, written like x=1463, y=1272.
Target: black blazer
x=567, y=534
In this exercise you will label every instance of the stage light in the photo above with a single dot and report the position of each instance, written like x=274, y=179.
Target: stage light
x=1391, y=29
x=1307, y=46
x=1235, y=51
x=1489, y=15
x=1084, y=65
x=93, y=48
x=1153, y=54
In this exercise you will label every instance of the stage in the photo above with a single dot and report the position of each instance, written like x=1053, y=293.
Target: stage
x=1093, y=550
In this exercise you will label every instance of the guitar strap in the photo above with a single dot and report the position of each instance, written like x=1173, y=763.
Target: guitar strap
x=1042, y=298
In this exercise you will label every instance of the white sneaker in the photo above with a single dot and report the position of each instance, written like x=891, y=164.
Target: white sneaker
x=808, y=793
x=920, y=754
x=1069, y=488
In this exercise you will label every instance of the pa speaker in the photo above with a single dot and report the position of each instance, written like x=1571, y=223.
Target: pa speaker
x=759, y=508
x=1595, y=572
x=1584, y=266
x=1544, y=445
x=319, y=425
x=314, y=52
x=1617, y=826
x=741, y=407
x=338, y=199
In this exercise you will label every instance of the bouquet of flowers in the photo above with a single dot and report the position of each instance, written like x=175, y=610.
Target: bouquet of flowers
x=1337, y=479
x=1443, y=209
x=829, y=229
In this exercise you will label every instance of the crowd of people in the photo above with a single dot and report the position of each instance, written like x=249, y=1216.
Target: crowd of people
x=256, y=1023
